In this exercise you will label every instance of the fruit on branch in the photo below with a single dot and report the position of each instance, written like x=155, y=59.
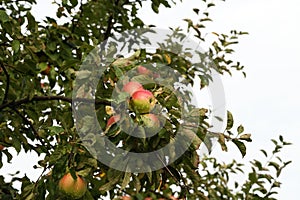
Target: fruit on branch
x=112, y=120
x=151, y=123
x=132, y=87
x=143, y=70
x=142, y=101
x=74, y=188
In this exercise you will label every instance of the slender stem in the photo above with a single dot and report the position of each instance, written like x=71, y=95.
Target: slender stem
x=39, y=178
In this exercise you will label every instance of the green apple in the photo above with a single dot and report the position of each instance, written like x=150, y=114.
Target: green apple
x=142, y=101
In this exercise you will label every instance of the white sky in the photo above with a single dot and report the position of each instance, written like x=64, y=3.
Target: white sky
x=267, y=101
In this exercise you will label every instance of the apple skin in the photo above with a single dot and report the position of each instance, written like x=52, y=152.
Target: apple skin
x=143, y=70
x=1, y=147
x=132, y=86
x=151, y=123
x=125, y=198
x=71, y=187
x=142, y=101
x=112, y=120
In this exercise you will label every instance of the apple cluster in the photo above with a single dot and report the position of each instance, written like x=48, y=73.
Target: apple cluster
x=141, y=102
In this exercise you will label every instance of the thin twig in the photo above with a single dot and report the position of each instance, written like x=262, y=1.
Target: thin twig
x=168, y=169
x=39, y=178
x=28, y=122
x=7, y=84
x=110, y=24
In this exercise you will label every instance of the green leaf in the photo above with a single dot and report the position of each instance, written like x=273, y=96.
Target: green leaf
x=196, y=10
x=114, y=180
x=17, y=145
x=16, y=46
x=126, y=180
x=274, y=164
x=118, y=71
x=246, y=137
x=281, y=139
x=210, y=5
x=55, y=130
x=253, y=177
x=154, y=7
x=222, y=142
x=85, y=172
x=264, y=152
x=137, y=183
x=229, y=120
x=3, y=16
x=240, y=129
x=149, y=175
x=74, y=2
x=32, y=25
x=241, y=146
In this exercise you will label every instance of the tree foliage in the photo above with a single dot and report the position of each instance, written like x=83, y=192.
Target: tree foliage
x=39, y=64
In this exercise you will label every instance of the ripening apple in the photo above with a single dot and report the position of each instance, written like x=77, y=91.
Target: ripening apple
x=71, y=187
x=151, y=123
x=132, y=86
x=112, y=120
x=143, y=70
x=142, y=101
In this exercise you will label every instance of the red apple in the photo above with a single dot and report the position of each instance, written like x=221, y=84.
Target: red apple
x=151, y=123
x=143, y=70
x=112, y=120
x=73, y=188
x=142, y=101
x=132, y=87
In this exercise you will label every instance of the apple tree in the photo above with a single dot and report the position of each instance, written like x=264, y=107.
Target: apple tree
x=68, y=94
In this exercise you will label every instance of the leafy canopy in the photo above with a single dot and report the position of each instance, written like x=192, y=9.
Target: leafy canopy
x=39, y=62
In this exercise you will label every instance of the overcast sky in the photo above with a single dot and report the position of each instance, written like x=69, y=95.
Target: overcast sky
x=267, y=101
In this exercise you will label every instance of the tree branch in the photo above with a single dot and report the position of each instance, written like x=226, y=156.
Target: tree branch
x=51, y=98
x=109, y=28
x=7, y=84
x=109, y=24
x=28, y=122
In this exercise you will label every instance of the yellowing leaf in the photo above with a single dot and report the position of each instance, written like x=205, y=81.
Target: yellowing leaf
x=167, y=58
x=109, y=110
